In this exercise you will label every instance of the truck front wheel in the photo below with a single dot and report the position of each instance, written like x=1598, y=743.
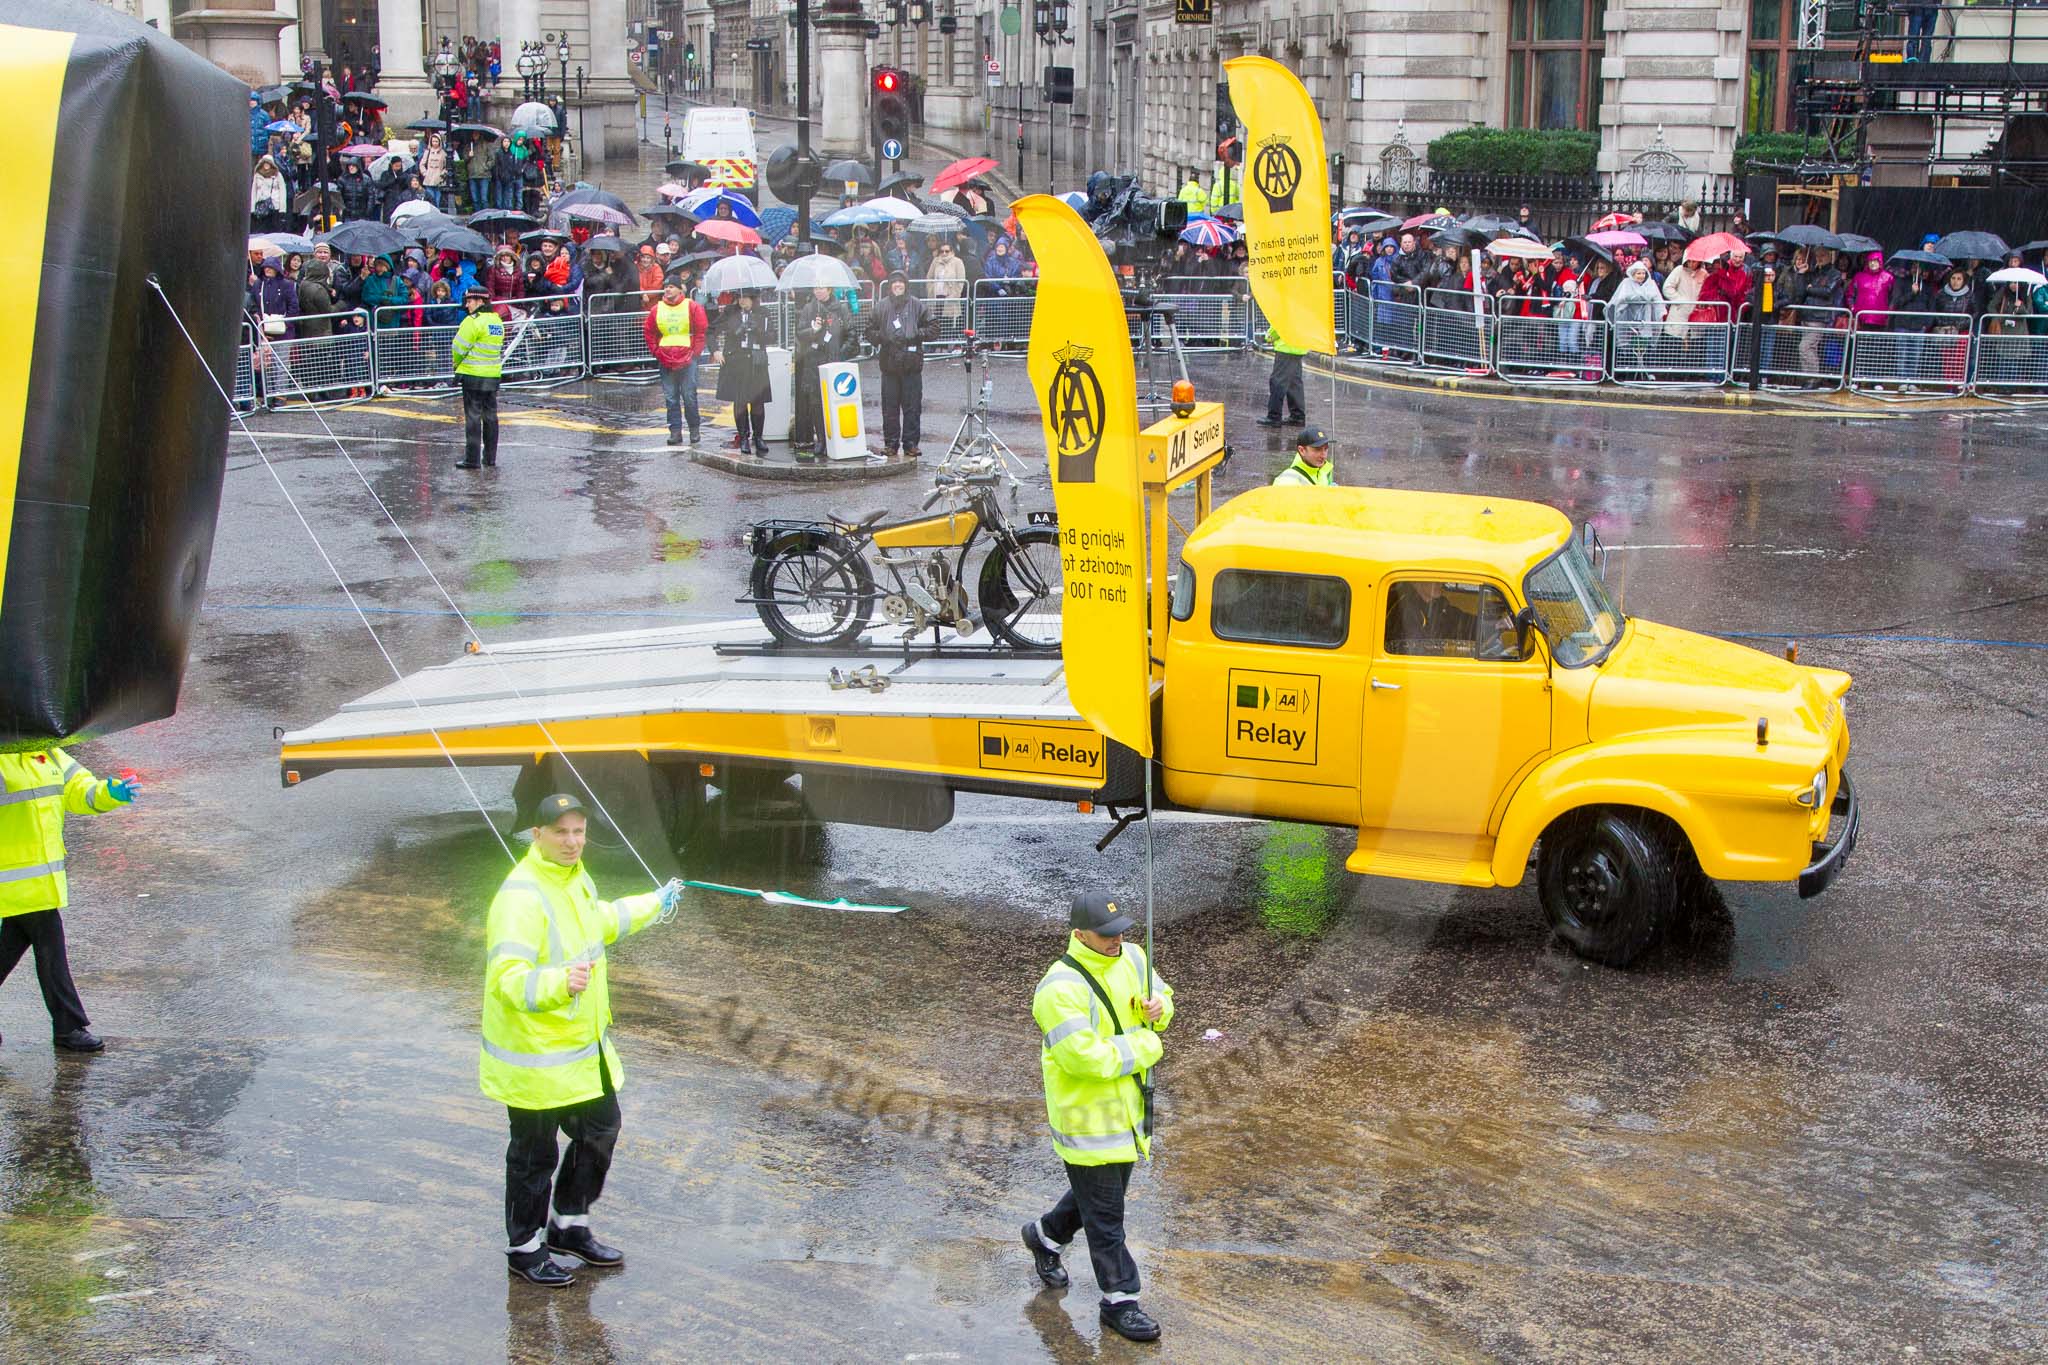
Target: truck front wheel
x=1608, y=880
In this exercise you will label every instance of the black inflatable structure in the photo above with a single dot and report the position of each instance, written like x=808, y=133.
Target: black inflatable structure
x=126, y=158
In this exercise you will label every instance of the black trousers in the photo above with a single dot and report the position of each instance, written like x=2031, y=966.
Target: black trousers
x=43, y=930
x=902, y=409
x=1095, y=1200
x=807, y=415
x=1285, y=386
x=531, y=1172
x=479, y=421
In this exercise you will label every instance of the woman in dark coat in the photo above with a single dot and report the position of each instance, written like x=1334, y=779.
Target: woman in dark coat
x=742, y=339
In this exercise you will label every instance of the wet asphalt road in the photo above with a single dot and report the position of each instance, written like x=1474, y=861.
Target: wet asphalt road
x=1813, y=1131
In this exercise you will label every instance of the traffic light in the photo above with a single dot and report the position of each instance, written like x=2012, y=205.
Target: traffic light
x=690, y=54
x=891, y=105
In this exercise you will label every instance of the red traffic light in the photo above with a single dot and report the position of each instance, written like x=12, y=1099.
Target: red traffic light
x=886, y=81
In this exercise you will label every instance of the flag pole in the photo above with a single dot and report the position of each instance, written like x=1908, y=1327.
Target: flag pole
x=1148, y=878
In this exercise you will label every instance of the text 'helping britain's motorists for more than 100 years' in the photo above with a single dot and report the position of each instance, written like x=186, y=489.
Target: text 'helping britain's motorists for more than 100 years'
x=1094, y=572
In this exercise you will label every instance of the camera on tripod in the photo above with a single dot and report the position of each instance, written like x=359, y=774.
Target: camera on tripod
x=1134, y=228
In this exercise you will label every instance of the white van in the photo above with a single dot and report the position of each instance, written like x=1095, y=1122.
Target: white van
x=722, y=140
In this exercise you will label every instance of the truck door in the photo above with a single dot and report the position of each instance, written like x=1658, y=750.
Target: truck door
x=1453, y=710
x=1265, y=678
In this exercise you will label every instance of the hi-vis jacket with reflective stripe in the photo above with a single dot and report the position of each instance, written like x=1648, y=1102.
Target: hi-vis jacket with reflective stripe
x=541, y=1044
x=1091, y=1070
x=40, y=787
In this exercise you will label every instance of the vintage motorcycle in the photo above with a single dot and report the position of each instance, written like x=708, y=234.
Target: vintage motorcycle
x=812, y=583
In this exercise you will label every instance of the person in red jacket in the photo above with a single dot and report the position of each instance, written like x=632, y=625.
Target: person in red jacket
x=1727, y=284
x=676, y=328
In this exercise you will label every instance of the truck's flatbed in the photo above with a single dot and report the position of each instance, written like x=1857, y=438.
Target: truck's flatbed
x=980, y=719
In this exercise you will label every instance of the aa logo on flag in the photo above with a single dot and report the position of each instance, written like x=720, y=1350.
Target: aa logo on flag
x=1276, y=172
x=1076, y=403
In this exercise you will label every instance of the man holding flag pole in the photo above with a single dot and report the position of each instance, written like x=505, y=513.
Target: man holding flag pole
x=1097, y=1009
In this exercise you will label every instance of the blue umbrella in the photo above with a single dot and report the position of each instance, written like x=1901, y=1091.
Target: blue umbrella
x=856, y=215
x=283, y=125
x=776, y=223
x=290, y=243
x=1075, y=200
x=704, y=203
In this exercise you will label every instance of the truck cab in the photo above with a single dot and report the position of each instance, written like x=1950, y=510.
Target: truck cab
x=1449, y=675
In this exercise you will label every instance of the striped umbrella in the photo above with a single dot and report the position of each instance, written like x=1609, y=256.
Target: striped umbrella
x=1209, y=232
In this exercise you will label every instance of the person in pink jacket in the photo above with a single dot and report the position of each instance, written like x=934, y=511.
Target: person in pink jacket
x=1870, y=294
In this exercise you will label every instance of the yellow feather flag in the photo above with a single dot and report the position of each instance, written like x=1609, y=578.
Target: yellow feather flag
x=1286, y=202
x=1087, y=385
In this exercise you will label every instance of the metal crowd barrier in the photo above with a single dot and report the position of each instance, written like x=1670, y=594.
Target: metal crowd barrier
x=1212, y=310
x=543, y=340
x=413, y=357
x=1454, y=330
x=1907, y=359
x=1394, y=324
x=1812, y=353
x=1537, y=346
x=1002, y=310
x=1692, y=353
x=319, y=369
x=2011, y=365
x=952, y=314
x=1255, y=331
x=615, y=336
x=244, y=390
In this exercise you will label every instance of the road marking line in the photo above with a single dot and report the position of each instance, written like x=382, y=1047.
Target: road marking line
x=1730, y=409
x=103, y=1251
x=125, y=1294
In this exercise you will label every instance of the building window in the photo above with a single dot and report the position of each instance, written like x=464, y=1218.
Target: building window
x=1554, y=49
x=1768, y=103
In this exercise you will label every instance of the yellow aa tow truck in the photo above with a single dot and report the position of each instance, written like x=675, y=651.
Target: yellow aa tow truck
x=1448, y=675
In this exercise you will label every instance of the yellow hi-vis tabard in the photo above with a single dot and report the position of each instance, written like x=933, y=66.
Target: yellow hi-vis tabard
x=479, y=349
x=542, y=1045
x=673, y=323
x=1301, y=472
x=40, y=788
x=1092, y=1070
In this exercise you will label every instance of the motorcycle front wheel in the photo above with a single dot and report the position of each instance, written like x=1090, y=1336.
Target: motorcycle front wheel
x=1021, y=588
x=812, y=591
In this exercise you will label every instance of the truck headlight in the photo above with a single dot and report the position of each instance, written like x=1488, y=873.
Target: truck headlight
x=1816, y=791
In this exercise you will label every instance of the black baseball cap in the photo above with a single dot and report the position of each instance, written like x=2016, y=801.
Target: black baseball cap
x=1098, y=914
x=1312, y=436
x=553, y=808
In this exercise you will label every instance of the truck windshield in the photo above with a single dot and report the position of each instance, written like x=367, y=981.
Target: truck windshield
x=1579, y=617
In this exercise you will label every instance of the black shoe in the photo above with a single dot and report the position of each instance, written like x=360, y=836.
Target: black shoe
x=675, y=438
x=580, y=1243
x=1270, y=422
x=467, y=464
x=490, y=462
x=1047, y=1263
x=540, y=1269
x=912, y=453
x=693, y=436
x=1126, y=1319
x=79, y=1040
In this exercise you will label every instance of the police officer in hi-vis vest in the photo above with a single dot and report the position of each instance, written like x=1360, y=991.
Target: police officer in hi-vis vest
x=547, y=1052
x=479, y=353
x=37, y=790
x=1099, y=1038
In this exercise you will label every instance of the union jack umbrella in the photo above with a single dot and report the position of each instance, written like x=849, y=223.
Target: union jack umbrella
x=1209, y=232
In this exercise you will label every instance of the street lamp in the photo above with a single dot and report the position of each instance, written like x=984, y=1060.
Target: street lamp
x=532, y=66
x=562, y=56
x=444, y=80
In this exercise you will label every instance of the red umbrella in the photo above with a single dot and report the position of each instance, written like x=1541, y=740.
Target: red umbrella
x=1716, y=244
x=1430, y=220
x=962, y=171
x=727, y=230
x=1615, y=220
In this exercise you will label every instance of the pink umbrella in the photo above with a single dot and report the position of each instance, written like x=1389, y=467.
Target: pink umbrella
x=1614, y=237
x=727, y=230
x=364, y=149
x=670, y=190
x=1716, y=244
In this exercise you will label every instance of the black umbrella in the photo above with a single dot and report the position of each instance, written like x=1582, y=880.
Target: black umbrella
x=1593, y=248
x=454, y=237
x=484, y=129
x=543, y=235
x=1850, y=241
x=900, y=181
x=689, y=170
x=271, y=94
x=1492, y=226
x=1972, y=246
x=2031, y=247
x=1459, y=235
x=367, y=100
x=1661, y=232
x=1933, y=258
x=586, y=194
x=484, y=218
x=427, y=125
x=604, y=241
x=365, y=238
x=1235, y=214
x=841, y=171
x=1808, y=234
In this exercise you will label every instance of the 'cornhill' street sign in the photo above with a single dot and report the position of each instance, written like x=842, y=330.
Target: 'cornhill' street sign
x=1194, y=11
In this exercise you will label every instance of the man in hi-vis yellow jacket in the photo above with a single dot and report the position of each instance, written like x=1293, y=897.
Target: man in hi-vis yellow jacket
x=546, y=1055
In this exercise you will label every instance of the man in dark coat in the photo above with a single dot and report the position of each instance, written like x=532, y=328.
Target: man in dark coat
x=899, y=328
x=359, y=198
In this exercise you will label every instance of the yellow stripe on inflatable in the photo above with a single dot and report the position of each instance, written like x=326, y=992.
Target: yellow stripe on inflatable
x=32, y=66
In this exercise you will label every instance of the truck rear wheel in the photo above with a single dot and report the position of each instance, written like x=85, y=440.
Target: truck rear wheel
x=1608, y=879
